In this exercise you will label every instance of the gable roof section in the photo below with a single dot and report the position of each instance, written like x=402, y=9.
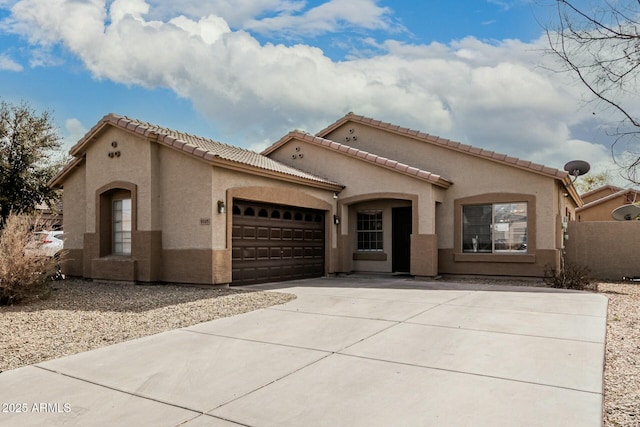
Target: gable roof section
x=626, y=193
x=457, y=146
x=214, y=152
x=364, y=156
x=606, y=190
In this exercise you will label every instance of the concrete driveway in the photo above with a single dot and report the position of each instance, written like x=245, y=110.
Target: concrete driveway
x=355, y=351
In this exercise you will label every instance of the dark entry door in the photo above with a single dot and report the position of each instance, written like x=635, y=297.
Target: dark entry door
x=401, y=239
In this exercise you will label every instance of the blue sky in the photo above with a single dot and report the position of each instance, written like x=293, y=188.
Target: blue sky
x=245, y=72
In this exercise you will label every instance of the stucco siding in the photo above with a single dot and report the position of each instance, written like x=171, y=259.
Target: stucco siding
x=363, y=178
x=188, y=217
x=608, y=248
x=74, y=202
x=601, y=211
x=132, y=164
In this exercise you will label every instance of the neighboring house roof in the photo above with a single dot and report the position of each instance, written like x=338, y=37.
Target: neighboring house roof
x=629, y=197
x=562, y=176
x=209, y=150
x=605, y=190
x=364, y=156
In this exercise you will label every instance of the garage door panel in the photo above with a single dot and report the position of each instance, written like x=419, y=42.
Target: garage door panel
x=263, y=233
x=287, y=253
x=275, y=243
x=248, y=232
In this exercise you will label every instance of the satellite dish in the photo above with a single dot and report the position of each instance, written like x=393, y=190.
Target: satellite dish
x=577, y=168
x=626, y=212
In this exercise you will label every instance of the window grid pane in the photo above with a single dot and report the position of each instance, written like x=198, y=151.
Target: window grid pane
x=122, y=227
x=369, y=231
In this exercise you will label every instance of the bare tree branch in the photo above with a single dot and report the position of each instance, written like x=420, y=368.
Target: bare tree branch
x=600, y=45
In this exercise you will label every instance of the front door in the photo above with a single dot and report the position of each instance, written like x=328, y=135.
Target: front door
x=401, y=239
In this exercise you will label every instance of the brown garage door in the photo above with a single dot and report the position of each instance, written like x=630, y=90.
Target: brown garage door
x=276, y=243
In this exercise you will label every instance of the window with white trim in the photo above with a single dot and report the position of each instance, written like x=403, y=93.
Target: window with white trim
x=122, y=227
x=495, y=228
x=369, y=231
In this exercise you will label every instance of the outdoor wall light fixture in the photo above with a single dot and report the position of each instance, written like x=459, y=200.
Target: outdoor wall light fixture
x=221, y=209
x=336, y=219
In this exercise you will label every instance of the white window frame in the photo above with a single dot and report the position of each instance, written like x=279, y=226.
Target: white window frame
x=369, y=233
x=121, y=226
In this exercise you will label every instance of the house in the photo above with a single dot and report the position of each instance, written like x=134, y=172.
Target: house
x=145, y=203
x=600, y=202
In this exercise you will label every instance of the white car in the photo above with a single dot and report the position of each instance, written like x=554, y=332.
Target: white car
x=48, y=243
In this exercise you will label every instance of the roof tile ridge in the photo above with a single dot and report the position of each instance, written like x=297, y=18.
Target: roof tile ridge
x=604, y=199
x=368, y=156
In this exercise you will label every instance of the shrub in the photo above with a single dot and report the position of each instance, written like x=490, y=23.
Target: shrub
x=24, y=273
x=572, y=276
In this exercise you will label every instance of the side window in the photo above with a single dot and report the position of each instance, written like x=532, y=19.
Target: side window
x=369, y=231
x=121, y=227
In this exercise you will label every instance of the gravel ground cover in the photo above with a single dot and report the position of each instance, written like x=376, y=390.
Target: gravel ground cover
x=622, y=367
x=81, y=316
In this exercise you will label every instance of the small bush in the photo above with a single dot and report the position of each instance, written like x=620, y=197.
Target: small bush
x=570, y=277
x=24, y=274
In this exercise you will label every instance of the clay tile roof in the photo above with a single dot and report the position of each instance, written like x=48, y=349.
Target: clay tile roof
x=617, y=194
x=200, y=147
x=431, y=139
x=364, y=156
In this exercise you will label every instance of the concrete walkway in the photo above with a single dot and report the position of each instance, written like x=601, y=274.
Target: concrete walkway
x=356, y=351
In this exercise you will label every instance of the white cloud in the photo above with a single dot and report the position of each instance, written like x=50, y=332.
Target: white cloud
x=497, y=96
x=8, y=64
x=331, y=16
x=236, y=12
x=121, y=9
x=73, y=132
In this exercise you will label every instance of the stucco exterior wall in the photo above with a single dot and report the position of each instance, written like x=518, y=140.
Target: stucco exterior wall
x=601, y=211
x=74, y=223
x=471, y=176
x=188, y=219
x=598, y=193
x=133, y=164
x=362, y=178
x=378, y=188
x=74, y=202
x=608, y=248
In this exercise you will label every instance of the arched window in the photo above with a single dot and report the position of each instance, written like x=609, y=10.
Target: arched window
x=249, y=212
x=116, y=219
x=275, y=214
x=263, y=213
x=236, y=210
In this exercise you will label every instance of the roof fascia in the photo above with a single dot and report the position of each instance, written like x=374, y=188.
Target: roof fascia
x=471, y=151
x=240, y=167
x=604, y=199
x=56, y=181
x=304, y=137
x=196, y=152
